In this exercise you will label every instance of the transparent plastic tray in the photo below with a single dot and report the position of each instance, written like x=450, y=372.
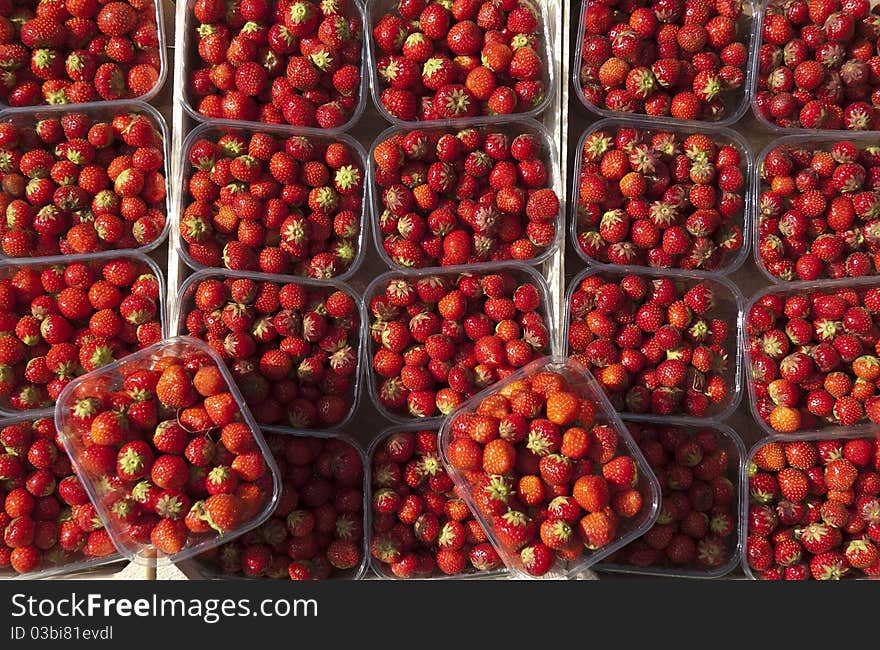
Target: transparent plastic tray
x=378, y=567
x=744, y=500
x=210, y=571
x=801, y=138
x=786, y=290
x=511, y=127
x=191, y=61
x=547, y=50
x=728, y=307
x=78, y=562
x=731, y=261
x=737, y=452
x=216, y=129
x=160, y=82
x=753, y=81
x=737, y=103
x=8, y=268
x=186, y=296
x=377, y=287
x=28, y=117
x=110, y=378
x=583, y=384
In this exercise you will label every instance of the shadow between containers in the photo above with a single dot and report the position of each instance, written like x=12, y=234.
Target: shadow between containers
x=182, y=174
x=623, y=121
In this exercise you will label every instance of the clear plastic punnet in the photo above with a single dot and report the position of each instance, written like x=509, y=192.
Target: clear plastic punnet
x=9, y=268
x=384, y=569
x=56, y=561
x=377, y=287
x=375, y=9
x=186, y=304
x=728, y=306
x=191, y=62
x=754, y=63
x=159, y=22
x=216, y=129
x=106, y=491
x=716, y=555
x=578, y=556
x=730, y=260
x=753, y=344
x=211, y=564
x=102, y=111
x=736, y=103
x=779, y=507
x=861, y=230
x=510, y=127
